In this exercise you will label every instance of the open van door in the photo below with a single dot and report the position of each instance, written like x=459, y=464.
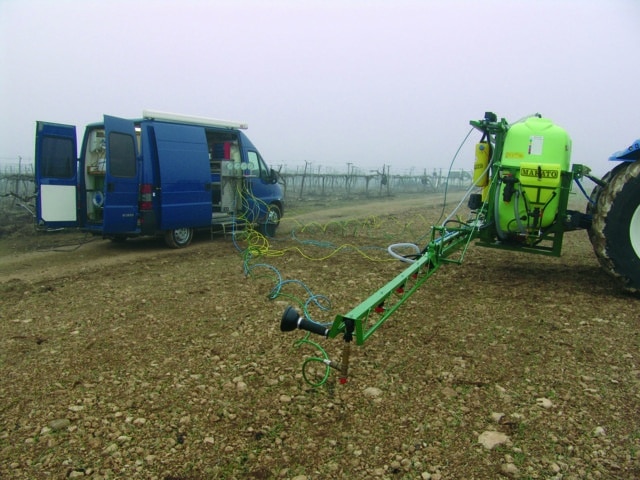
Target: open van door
x=56, y=163
x=121, y=185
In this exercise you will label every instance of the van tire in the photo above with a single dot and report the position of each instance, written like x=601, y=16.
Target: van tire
x=271, y=221
x=178, y=238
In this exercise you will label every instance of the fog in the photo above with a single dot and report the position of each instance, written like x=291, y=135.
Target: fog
x=328, y=82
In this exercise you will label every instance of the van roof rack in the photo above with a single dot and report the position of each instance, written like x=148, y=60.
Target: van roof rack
x=175, y=117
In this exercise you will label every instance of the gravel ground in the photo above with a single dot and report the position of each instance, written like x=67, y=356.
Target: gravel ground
x=135, y=361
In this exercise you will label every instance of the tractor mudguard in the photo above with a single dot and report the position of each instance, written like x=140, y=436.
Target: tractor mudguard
x=631, y=154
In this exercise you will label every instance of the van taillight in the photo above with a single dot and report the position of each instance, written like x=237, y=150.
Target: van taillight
x=146, y=197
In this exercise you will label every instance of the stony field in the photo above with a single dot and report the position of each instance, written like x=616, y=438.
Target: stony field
x=131, y=360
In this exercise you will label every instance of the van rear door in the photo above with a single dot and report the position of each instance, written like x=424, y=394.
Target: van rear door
x=56, y=177
x=120, y=215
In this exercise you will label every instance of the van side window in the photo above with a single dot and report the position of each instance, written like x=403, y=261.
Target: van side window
x=257, y=168
x=122, y=155
x=58, y=160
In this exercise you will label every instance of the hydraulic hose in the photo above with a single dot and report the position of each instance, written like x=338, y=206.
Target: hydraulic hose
x=516, y=211
x=496, y=208
x=403, y=258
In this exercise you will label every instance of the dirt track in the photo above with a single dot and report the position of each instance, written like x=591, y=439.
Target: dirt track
x=135, y=361
x=46, y=255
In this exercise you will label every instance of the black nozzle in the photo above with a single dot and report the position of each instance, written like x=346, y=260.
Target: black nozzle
x=291, y=320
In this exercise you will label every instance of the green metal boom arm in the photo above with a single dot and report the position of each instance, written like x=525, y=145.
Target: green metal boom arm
x=375, y=310
x=361, y=322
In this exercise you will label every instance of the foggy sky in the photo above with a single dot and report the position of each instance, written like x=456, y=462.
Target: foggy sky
x=328, y=82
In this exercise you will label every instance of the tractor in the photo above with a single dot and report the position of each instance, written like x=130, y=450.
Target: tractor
x=519, y=201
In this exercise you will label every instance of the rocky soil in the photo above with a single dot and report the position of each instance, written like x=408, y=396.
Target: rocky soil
x=131, y=360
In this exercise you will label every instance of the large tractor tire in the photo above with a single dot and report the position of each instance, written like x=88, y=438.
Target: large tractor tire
x=597, y=190
x=615, y=230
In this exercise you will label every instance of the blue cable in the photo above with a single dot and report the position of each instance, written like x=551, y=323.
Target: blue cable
x=584, y=192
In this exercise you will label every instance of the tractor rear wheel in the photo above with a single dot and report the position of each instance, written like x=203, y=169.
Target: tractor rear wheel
x=597, y=190
x=615, y=230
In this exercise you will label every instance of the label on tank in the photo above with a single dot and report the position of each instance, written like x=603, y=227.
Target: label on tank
x=535, y=144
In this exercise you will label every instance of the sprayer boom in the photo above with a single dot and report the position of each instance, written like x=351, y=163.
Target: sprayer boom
x=522, y=181
x=361, y=322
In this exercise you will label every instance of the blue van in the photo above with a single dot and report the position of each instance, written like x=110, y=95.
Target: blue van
x=164, y=174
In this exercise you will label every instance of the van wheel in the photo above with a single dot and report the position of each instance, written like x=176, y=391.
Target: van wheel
x=271, y=221
x=615, y=231
x=178, y=238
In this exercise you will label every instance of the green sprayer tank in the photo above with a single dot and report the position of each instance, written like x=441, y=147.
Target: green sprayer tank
x=535, y=154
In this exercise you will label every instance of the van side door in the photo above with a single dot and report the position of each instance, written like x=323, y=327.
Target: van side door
x=183, y=169
x=121, y=186
x=56, y=175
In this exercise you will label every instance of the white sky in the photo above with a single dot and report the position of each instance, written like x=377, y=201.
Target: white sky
x=330, y=82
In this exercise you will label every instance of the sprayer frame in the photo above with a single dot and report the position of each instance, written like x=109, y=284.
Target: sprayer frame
x=362, y=321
